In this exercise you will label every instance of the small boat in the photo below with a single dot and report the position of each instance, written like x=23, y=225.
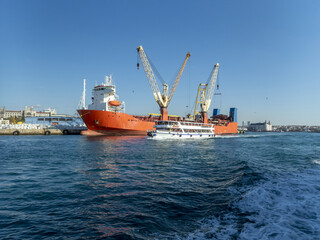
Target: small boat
x=114, y=103
x=177, y=130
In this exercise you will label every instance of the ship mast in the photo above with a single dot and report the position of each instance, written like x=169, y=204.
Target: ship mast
x=82, y=103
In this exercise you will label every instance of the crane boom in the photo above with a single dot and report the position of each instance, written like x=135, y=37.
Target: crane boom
x=210, y=89
x=175, y=84
x=151, y=78
x=164, y=98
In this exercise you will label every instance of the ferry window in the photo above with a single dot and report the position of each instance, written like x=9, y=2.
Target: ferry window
x=69, y=119
x=54, y=119
x=47, y=119
x=40, y=119
x=62, y=119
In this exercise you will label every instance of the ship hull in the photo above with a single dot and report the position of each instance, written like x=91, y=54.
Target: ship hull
x=230, y=128
x=121, y=124
x=114, y=123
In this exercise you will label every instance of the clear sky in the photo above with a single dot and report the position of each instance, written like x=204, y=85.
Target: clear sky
x=268, y=51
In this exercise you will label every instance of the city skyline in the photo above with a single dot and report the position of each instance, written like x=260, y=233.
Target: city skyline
x=268, y=53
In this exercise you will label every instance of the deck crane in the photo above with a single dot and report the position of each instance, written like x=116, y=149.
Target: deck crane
x=205, y=93
x=163, y=99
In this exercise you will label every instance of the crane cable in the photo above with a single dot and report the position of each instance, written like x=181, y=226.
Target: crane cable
x=188, y=95
x=138, y=61
x=218, y=93
x=154, y=69
x=176, y=74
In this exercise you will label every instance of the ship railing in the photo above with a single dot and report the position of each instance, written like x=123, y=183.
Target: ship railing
x=184, y=124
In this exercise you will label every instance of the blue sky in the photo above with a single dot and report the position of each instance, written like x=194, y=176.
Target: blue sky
x=268, y=51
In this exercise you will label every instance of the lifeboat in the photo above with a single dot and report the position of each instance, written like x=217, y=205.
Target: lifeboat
x=114, y=103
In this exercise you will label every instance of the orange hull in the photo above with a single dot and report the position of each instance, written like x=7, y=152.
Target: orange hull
x=121, y=124
x=114, y=123
x=231, y=128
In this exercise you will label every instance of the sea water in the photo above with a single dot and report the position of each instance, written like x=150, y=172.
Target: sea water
x=251, y=186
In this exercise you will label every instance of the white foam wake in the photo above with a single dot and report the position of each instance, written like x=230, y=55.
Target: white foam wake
x=284, y=207
x=316, y=162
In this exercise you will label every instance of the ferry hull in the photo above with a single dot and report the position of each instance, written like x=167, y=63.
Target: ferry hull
x=114, y=123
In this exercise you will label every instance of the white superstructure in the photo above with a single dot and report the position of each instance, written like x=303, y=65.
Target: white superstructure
x=177, y=130
x=104, y=97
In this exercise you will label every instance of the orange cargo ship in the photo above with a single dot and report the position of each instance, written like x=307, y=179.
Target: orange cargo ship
x=105, y=116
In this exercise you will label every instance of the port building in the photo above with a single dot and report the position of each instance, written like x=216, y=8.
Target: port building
x=27, y=112
x=260, y=127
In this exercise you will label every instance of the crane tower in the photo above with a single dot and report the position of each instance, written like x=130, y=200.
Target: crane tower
x=205, y=93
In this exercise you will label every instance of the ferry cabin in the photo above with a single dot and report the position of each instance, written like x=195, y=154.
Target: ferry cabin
x=176, y=129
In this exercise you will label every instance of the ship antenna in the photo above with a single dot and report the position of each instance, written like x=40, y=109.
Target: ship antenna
x=82, y=103
x=108, y=80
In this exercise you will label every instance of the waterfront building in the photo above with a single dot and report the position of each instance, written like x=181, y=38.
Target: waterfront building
x=51, y=111
x=27, y=112
x=260, y=127
x=2, y=112
x=8, y=114
x=30, y=112
x=2, y=121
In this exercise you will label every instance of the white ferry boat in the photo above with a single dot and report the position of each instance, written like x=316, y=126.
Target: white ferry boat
x=177, y=130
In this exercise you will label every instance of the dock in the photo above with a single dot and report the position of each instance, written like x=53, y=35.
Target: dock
x=44, y=131
x=50, y=125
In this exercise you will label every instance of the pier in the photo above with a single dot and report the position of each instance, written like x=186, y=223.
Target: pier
x=44, y=131
x=50, y=125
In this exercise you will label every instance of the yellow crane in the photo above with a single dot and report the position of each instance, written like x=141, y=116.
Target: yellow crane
x=163, y=99
x=205, y=93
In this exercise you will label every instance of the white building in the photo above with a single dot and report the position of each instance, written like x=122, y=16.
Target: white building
x=28, y=112
x=260, y=127
x=51, y=111
x=8, y=114
x=2, y=121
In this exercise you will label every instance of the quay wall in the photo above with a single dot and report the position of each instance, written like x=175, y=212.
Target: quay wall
x=73, y=131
